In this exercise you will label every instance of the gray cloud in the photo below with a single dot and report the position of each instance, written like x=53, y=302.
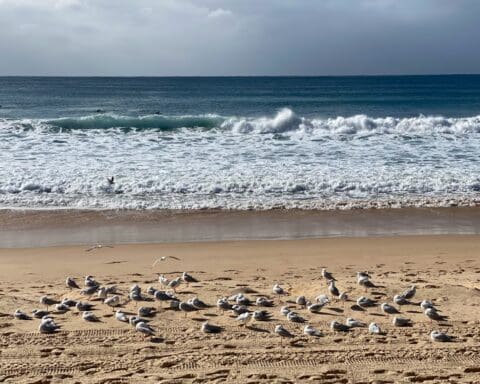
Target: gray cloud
x=228, y=37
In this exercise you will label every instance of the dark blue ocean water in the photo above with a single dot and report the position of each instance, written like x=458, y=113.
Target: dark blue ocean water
x=240, y=142
x=398, y=96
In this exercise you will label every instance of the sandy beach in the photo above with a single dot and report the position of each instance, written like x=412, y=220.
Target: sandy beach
x=445, y=269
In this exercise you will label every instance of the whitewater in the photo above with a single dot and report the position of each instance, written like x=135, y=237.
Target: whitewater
x=225, y=161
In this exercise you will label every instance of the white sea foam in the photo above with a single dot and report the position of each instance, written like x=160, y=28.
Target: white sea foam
x=210, y=161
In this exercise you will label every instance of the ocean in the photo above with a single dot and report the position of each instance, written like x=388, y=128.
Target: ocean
x=243, y=143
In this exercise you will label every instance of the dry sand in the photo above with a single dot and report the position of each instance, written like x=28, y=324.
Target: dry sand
x=445, y=269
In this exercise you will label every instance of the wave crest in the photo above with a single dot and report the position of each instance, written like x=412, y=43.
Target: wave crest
x=284, y=122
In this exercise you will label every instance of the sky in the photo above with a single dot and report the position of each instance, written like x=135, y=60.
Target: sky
x=238, y=37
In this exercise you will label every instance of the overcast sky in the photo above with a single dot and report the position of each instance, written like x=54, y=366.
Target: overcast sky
x=238, y=37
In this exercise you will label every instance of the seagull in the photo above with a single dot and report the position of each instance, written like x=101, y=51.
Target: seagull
x=71, y=283
x=163, y=296
x=113, y=301
x=352, y=323
x=278, y=290
x=175, y=283
x=343, y=296
x=261, y=315
x=323, y=299
x=301, y=300
x=425, y=304
x=365, y=302
x=295, y=317
x=410, y=292
x=102, y=293
x=164, y=258
x=134, y=320
x=90, y=282
x=69, y=302
x=188, y=278
x=197, y=303
x=327, y=275
x=374, y=328
x=223, y=304
x=135, y=296
x=62, y=308
x=144, y=328
x=47, y=301
x=89, y=290
x=333, y=289
x=121, y=316
x=146, y=311
x=111, y=180
x=387, y=308
x=163, y=280
x=244, y=318
x=89, y=316
x=400, y=300
x=432, y=314
x=241, y=299
x=19, y=315
x=239, y=309
x=185, y=307
x=151, y=291
x=311, y=331
x=48, y=326
x=337, y=326
x=264, y=302
x=401, y=322
x=210, y=328
x=282, y=332
x=285, y=310
x=440, y=336
x=38, y=313
x=315, y=307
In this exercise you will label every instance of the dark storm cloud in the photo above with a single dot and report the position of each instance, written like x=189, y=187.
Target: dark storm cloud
x=223, y=37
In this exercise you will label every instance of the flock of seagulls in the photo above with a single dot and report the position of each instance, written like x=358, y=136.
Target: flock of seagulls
x=239, y=305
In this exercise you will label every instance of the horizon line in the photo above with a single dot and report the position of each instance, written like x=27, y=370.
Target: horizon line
x=243, y=76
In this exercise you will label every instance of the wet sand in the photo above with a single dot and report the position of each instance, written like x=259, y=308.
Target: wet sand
x=446, y=269
x=33, y=228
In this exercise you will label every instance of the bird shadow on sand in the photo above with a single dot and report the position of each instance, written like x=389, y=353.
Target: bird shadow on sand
x=335, y=309
x=357, y=308
x=257, y=329
x=157, y=340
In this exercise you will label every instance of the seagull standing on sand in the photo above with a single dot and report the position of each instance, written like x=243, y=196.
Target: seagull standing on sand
x=71, y=283
x=48, y=326
x=333, y=289
x=113, y=301
x=282, y=332
x=244, y=318
x=409, y=293
x=327, y=276
x=278, y=290
x=223, y=304
x=175, y=283
x=388, y=309
x=186, y=308
x=47, y=301
x=352, y=323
